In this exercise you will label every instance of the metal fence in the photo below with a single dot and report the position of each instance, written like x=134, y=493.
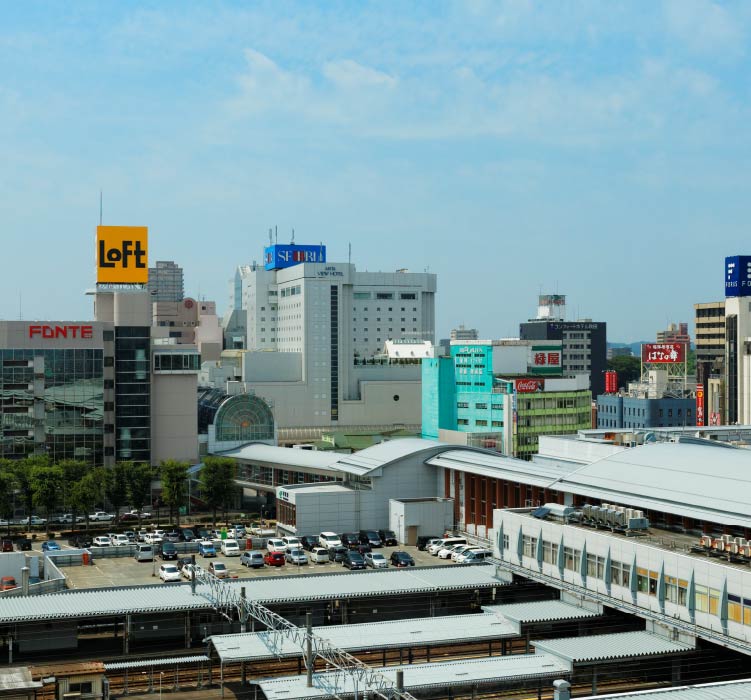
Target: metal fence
x=54, y=582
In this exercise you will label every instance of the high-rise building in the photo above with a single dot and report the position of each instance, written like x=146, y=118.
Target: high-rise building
x=584, y=342
x=463, y=333
x=738, y=339
x=675, y=333
x=314, y=334
x=710, y=358
x=166, y=281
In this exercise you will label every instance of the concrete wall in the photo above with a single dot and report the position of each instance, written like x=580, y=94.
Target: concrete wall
x=430, y=517
x=174, y=417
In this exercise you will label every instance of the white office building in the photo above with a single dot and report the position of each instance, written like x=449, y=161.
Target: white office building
x=315, y=333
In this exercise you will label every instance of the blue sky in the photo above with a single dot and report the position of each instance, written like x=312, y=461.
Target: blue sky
x=600, y=149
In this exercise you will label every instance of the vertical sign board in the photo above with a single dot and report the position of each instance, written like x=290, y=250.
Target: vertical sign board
x=699, y=404
x=738, y=276
x=122, y=254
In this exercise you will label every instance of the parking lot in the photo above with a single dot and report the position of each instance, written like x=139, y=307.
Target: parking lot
x=125, y=571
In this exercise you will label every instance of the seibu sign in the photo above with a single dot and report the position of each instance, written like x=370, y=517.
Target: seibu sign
x=529, y=386
x=48, y=332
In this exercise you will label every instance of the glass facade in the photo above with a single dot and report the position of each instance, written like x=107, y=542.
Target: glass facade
x=133, y=393
x=52, y=403
x=240, y=418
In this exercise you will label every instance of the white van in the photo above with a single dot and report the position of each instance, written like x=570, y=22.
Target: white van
x=230, y=548
x=444, y=543
x=144, y=552
x=329, y=540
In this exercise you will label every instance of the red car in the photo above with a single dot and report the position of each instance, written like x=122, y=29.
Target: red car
x=7, y=545
x=273, y=558
x=7, y=583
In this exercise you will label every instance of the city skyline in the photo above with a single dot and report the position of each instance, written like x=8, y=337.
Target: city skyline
x=601, y=152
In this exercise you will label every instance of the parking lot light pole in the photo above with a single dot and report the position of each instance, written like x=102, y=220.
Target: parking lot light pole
x=161, y=675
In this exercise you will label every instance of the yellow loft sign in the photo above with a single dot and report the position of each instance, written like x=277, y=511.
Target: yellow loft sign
x=122, y=255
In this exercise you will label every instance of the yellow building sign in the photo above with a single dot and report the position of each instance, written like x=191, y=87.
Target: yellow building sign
x=122, y=254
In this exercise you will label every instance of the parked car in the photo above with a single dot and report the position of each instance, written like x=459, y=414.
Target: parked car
x=119, y=540
x=329, y=539
x=363, y=548
x=67, y=519
x=144, y=552
x=182, y=562
x=376, y=560
x=230, y=548
x=206, y=548
x=7, y=546
x=240, y=531
x=476, y=556
x=101, y=516
x=350, y=540
x=353, y=560
x=309, y=542
x=169, y=572
x=443, y=543
x=219, y=569
x=291, y=543
x=80, y=541
x=297, y=557
x=424, y=540
x=252, y=559
x=128, y=518
x=167, y=551
x=34, y=520
x=388, y=537
x=273, y=558
x=319, y=555
x=8, y=583
x=276, y=545
x=172, y=536
x=187, y=535
x=23, y=544
x=188, y=571
x=448, y=550
x=101, y=541
x=370, y=537
x=337, y=554
x=401, y=559
x=203, y=534
x=50, y=546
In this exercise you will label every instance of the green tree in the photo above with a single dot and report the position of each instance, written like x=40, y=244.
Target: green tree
x=47, y=485
x=22, y=470
x=139, y=478
x=84, y=495
x=217, y=484
x=7, y=487
x=73, y=471
x=628, y=368
x=117, y=490
x=174, y=477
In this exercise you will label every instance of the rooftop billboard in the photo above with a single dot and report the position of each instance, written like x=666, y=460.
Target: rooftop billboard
x=277, y=257
x=738, y=276
x=122, y=254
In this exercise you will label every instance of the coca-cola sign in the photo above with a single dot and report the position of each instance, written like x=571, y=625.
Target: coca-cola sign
x=529, y=386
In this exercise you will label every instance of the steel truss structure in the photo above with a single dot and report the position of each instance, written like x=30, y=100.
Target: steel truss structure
x=226, y=599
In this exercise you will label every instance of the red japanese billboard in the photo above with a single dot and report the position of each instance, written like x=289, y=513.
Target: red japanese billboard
x=529, y=386
x=665, y=353
x=699, y=404
x=714, y=418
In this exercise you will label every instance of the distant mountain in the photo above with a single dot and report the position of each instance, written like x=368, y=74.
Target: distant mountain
x=635, y=347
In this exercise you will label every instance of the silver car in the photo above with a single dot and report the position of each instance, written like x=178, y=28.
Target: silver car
x=296, y=556
x=376, y=560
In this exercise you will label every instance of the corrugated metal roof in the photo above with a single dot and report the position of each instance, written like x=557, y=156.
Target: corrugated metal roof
x=160, y=598
x=18, y=678
x=498, y=467
x=284, y=455
x=673, y=478
x=385, y=452
x=727, y=690
x=602, y=647
x=147, y=663
x=496, y=669
x=424, y=631
x=541, y=611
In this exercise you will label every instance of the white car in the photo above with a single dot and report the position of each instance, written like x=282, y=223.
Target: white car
x=101, y=516
x=459, y=557
x=329, y=540
x=169, y=572
x=230, y=548
x=101, y=541
x=446, y=552
x=319, y=555
x=460, y=549
x=188, y=570
x=291, y=543
x=477, y=556
x=444, y=543
x=376, y=560
x=275, y=545
x=33, y=520
x=119, y=540
x=152, y=538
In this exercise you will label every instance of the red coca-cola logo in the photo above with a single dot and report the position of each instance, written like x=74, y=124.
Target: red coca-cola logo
x=528, y=386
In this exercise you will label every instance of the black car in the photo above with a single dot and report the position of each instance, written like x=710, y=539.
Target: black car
x=23, y=544
x=388, y=537
x=363, y=548
x=353, y=560
x=308, y=542
x=350, y=540
x=80, y=541
x=401, y=559
x=204, y=534
x=423, y=540
x=187, y=535
x=168, y=551
x=338, y=553
x=183, y=562
x=370, y=537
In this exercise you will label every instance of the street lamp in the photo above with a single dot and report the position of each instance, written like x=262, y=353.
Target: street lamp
x=161, y=675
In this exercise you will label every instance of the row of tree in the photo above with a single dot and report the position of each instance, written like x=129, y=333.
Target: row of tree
x=79, y=488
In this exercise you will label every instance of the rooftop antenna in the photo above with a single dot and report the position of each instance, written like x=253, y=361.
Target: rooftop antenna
x=271, y=237
x=100, y=207
x=276, y=235
x=20, y=305
x=293, y=237
x=349, y=252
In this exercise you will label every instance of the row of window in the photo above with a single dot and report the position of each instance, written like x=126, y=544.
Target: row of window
x=410, y=296
x=291, y=291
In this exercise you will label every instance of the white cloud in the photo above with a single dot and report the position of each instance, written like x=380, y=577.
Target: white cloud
x=350, y=74
x=707, y=27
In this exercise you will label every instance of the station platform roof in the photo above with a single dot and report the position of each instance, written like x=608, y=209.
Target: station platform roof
x=608, y=647
x=494, y=670
x=425, y=631
x=103, y=602
x=727, y=690
x=541, y=611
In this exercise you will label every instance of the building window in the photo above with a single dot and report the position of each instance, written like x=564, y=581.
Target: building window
x=384, y=295
x=481, y=406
